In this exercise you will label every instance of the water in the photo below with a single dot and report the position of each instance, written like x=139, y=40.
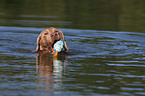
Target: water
x=73, y=14
x=105, y=40
x=99, y=63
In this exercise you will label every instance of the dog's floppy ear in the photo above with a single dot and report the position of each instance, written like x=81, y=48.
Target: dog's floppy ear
x=61, y=35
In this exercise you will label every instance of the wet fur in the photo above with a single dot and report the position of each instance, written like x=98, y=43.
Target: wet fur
x=44, y=40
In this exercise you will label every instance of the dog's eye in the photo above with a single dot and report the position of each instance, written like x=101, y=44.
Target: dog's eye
x=45, y=33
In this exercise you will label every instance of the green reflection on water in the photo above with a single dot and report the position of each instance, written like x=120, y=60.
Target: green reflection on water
x=119, y=15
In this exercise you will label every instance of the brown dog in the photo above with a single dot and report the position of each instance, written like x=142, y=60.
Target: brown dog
x=45, y=41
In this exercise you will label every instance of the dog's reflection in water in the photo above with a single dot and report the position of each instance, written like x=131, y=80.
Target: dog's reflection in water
x=49, y=71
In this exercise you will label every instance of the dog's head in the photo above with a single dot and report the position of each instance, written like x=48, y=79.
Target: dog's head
x=53, y=30
x=47, y=39
x=47, y=33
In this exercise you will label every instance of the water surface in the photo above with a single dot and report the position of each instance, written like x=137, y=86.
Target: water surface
x=116, y=15
x=99, y=63
x=106, y=42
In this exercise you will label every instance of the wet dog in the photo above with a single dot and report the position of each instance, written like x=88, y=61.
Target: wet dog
x=45, y=40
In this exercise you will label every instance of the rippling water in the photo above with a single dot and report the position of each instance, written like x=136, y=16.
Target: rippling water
x=99, y=63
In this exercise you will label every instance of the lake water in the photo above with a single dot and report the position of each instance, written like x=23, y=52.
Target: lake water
x=99, y=63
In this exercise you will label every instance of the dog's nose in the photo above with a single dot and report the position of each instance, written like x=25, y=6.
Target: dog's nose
x=56, y=34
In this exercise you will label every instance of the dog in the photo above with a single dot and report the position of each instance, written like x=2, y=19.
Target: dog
x=45, y=40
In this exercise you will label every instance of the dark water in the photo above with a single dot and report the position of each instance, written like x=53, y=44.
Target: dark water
x=120, y=15
x=100, y=63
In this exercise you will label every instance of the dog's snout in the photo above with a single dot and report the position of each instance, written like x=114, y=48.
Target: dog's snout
x=56, y=34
